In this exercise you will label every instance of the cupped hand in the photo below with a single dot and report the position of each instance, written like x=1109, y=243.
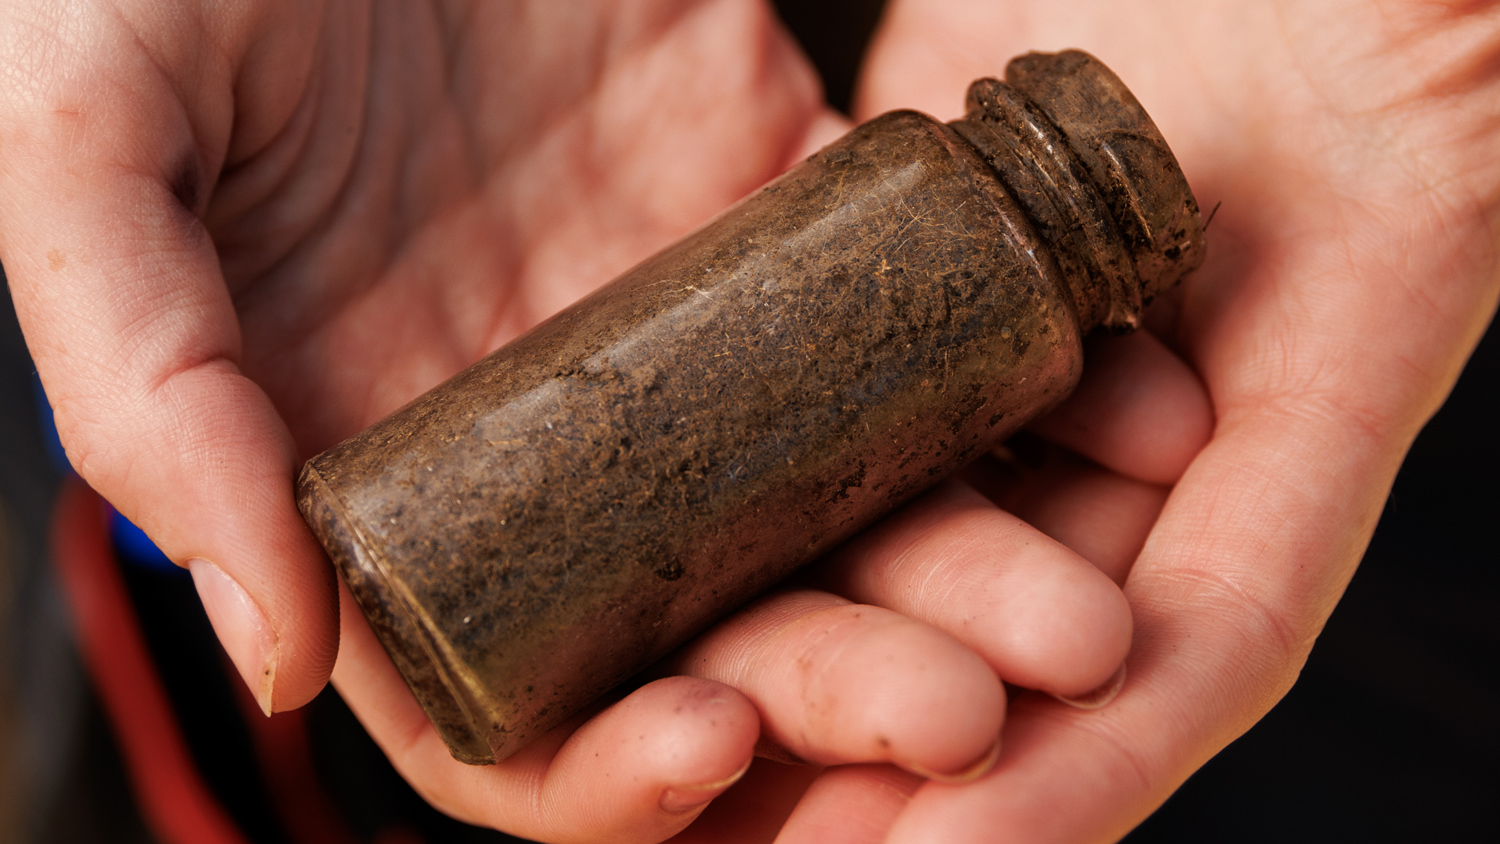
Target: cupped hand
x=237, y=234
x=1352, y=268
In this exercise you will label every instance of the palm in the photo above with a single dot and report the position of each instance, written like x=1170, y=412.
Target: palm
x=1350, y=145
x=505, y=160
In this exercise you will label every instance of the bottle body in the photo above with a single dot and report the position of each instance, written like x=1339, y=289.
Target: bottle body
x=574, y=506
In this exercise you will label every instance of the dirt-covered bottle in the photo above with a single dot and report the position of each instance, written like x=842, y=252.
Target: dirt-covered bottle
x=580, y=502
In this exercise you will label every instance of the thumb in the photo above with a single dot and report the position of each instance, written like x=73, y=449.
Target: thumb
x=120, y=295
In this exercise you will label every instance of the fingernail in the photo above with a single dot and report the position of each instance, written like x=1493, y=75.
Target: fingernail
x=968, y=774
x=1100, y=697
x=680, y=799
x=242, y=628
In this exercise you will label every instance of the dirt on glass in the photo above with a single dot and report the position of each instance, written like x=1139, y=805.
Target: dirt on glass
x=577, y=504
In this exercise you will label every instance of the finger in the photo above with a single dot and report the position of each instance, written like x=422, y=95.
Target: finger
x=851, y=804
x=1102, y=516
x=118, y=289
x=837, y=682
x=1248, y=557
x=639, y=770
x=1041, y=615
x=1138, y=410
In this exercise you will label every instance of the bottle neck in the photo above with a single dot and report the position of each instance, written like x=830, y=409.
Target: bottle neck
x=1092, y=172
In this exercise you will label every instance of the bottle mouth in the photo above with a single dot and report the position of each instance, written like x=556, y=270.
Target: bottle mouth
x=1128, y=160
x=1094, y=175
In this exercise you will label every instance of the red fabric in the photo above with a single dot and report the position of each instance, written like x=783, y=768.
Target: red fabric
x=176, y=805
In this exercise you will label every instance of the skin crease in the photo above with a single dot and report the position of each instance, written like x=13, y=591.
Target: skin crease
x=233, y=241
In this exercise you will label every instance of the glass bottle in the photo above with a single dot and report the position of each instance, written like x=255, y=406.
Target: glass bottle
x=580, y=502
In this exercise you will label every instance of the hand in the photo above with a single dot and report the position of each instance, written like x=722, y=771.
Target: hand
x=1352, y=268
x=237, y=235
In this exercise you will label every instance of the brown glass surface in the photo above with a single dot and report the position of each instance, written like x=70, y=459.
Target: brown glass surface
x=578, y=503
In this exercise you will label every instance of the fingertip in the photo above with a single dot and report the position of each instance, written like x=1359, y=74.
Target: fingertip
x=693, y=798
x=661, y=755
x=935, y=708
x=838, y=683
x=304, y=660
x=1070, y=632
x=970, y=772
x=703, y=733
x=242, y=628
x=1099, y=697
x=293, y=586
x=1098, y=656
x=281, y=672
x=210, y=479
x=1139, y=410
x=1041, y=615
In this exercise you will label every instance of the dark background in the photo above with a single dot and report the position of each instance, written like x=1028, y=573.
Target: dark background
x=1392, y=733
